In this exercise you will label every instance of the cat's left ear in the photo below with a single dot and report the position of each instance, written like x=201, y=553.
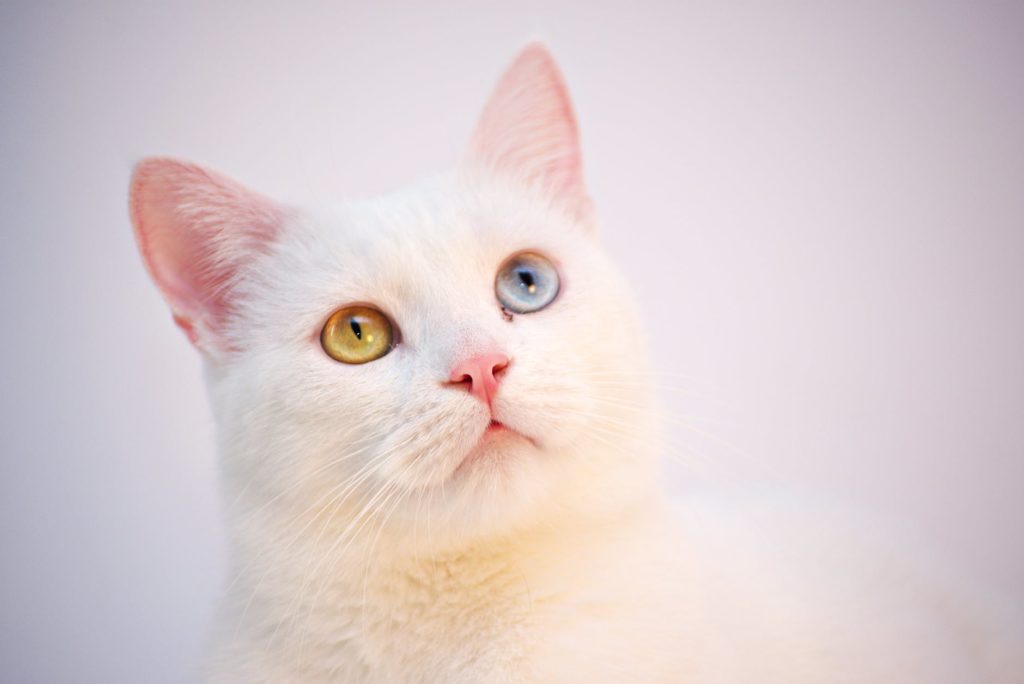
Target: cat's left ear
x=528, y=131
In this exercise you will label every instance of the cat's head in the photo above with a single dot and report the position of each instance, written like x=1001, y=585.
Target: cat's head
x=461, y=356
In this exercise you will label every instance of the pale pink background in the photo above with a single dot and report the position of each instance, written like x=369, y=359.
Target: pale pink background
x=821, y=207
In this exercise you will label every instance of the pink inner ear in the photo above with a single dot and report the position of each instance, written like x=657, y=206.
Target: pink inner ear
x=195, y=228
x=528, y=128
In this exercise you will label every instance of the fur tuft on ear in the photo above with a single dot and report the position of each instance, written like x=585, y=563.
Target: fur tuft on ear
x=195, y=228
x=528, y=130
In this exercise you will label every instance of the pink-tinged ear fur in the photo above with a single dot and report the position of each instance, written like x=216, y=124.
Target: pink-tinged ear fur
x=195, y=228
x=528, y=129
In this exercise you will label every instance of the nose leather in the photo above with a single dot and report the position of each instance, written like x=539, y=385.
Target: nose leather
x=481, y=374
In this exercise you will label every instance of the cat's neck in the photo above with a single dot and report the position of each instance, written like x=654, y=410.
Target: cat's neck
x=303, y=582
x=346, y=544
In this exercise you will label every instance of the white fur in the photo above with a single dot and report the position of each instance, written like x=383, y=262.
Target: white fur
x=558, y=565
x=360, y=552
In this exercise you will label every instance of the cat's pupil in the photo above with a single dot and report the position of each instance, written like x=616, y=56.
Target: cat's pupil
x=356, y=328
x=526, y=278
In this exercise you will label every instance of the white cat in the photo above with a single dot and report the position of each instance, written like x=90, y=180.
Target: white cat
x=439, y=449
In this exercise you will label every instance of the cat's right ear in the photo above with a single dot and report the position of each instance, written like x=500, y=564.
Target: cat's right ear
x=195, y=229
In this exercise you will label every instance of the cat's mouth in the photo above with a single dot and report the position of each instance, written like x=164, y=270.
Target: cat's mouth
x=496, y=429
x=490, y=444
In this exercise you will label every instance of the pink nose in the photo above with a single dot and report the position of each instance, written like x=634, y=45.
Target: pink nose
x=482, y=375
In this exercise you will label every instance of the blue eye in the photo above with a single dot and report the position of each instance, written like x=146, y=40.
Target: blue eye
x=526, y=282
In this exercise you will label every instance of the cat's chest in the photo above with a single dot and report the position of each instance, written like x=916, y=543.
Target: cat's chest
x=443, y=621
x=511, y=615
x=520, y=622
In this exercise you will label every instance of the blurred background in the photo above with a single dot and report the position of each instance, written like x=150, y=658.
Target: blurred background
x=821, y=207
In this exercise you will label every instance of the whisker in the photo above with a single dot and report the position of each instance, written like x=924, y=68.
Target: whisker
x=347, y=486
x=350, y=532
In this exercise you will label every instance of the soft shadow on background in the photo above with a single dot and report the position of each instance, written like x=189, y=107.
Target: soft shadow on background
x=821, y=208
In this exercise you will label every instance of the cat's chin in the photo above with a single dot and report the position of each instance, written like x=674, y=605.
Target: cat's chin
x=497, y=446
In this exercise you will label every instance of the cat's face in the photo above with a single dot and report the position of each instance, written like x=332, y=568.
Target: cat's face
x=492, y=371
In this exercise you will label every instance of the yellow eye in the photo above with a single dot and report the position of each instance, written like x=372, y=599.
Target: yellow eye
x=357, y=334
